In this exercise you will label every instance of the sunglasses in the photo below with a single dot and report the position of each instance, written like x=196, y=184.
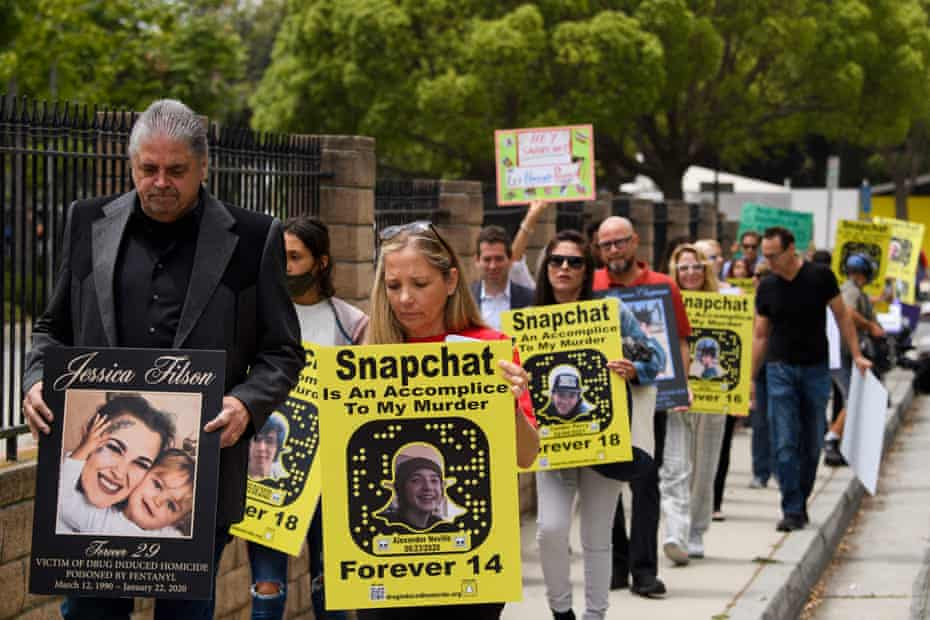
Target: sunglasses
x=574, y=262
x=697, y=267
x=750, y=246
x=618, y=243
x=417, y=227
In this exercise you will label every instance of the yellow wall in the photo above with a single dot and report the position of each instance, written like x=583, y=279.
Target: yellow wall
x=918, y=210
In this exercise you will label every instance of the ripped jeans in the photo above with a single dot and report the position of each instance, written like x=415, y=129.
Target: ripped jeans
x=271, y=566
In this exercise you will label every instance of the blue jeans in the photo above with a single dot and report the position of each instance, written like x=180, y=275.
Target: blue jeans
x=267, y=565
x=271, y=565
x=763, y=463
x=82, y=608
x=797, y=402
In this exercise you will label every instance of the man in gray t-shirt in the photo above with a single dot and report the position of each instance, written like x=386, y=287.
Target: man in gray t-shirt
x=860, y=270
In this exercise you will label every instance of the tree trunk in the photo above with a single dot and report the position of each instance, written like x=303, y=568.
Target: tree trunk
x=902, y=188
x=671, y=179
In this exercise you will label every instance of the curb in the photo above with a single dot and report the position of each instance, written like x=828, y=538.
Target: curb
x=780, y=589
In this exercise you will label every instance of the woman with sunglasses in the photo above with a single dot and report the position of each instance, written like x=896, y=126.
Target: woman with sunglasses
x=420, y=295
x=568, y=277
x=692, y=441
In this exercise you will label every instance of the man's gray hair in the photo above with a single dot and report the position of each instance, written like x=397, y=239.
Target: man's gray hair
x=171, y=118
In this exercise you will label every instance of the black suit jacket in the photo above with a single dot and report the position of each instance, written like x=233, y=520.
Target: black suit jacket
x=236, y=301
x=520, y=296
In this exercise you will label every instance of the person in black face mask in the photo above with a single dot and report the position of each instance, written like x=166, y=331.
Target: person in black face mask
x=326, y=320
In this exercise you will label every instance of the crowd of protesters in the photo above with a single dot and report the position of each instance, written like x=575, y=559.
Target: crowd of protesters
x=420, y=295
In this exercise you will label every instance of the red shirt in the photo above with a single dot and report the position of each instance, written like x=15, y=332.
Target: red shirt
x=486, y=333
x=648, y=276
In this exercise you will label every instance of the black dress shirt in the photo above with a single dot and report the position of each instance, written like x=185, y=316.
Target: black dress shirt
x=151, y=277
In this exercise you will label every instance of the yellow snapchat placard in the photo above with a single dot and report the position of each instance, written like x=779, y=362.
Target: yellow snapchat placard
x=903, y=255
x=285, y=480
x=721, y=351
x=580, y=404
x=744, y=284
x=868, y=238
x=421, y=493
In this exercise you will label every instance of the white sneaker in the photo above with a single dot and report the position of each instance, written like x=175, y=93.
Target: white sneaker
x=675, y=551
x=696, y=547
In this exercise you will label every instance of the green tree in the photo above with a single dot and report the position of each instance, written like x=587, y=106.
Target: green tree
x=128, y=53
x=667, y=83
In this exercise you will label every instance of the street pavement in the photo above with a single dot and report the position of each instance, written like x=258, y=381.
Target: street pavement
x=883, y=567
x=750, y=570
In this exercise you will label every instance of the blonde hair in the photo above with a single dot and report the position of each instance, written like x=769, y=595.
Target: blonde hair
x=710, y=276
x=461, y=311
x=180, y=461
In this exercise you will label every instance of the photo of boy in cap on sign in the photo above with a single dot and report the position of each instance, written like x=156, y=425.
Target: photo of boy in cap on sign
x=419, y=486
x=565, y=399
x=265, y=450
x=706, y=364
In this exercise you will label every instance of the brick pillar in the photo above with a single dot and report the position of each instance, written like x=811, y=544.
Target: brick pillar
x=597, y=210
x=642, y=215
x=347, y=206
x=679, y=216
x=728, y=236
x=461, y=211
x=707, y=227
x=17, y=494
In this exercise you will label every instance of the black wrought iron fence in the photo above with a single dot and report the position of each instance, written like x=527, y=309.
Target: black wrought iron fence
x=399, y=201
x=54, y=153
x=507, y=217
x=569, y=216
x=694, y=220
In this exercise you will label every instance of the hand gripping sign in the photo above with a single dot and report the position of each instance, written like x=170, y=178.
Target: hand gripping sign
x=421, y=497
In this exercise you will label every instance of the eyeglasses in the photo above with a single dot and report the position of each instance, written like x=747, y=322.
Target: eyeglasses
x=750, y=246
x=771, y=258
x=696, y=267
x=618, y=243
x=417, y=227
x=558, y=260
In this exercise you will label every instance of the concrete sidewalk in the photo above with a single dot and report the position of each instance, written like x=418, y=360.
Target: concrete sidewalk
x=750, y=570
x=883, y=568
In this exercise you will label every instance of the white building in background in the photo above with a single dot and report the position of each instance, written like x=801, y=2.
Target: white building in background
x=736, y=190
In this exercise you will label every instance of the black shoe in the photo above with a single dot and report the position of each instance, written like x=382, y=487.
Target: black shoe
x=649, y=587
x=619, y=581
x=790, y=523
x=831, y=453
x=563, y=615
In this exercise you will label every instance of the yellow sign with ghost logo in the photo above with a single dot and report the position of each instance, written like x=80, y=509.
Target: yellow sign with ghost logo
x=903, y=255
x=421, y=493
x=285, y=480
x=721, y=351
x=580, y=404
x=866, y=238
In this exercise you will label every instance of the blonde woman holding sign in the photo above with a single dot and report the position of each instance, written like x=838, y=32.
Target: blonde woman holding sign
x=420, y=295
x=692, y=441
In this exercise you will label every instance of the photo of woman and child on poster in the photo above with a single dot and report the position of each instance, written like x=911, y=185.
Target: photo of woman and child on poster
x=128, y=464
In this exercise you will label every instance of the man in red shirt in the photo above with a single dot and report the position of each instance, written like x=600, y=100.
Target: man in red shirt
x=618, y=242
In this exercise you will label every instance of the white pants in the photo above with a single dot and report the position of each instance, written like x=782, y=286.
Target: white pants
x=686, y=478
x=597, y=497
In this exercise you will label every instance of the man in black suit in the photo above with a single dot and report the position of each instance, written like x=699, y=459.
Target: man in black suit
x=169, y=266
x=494, y=292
